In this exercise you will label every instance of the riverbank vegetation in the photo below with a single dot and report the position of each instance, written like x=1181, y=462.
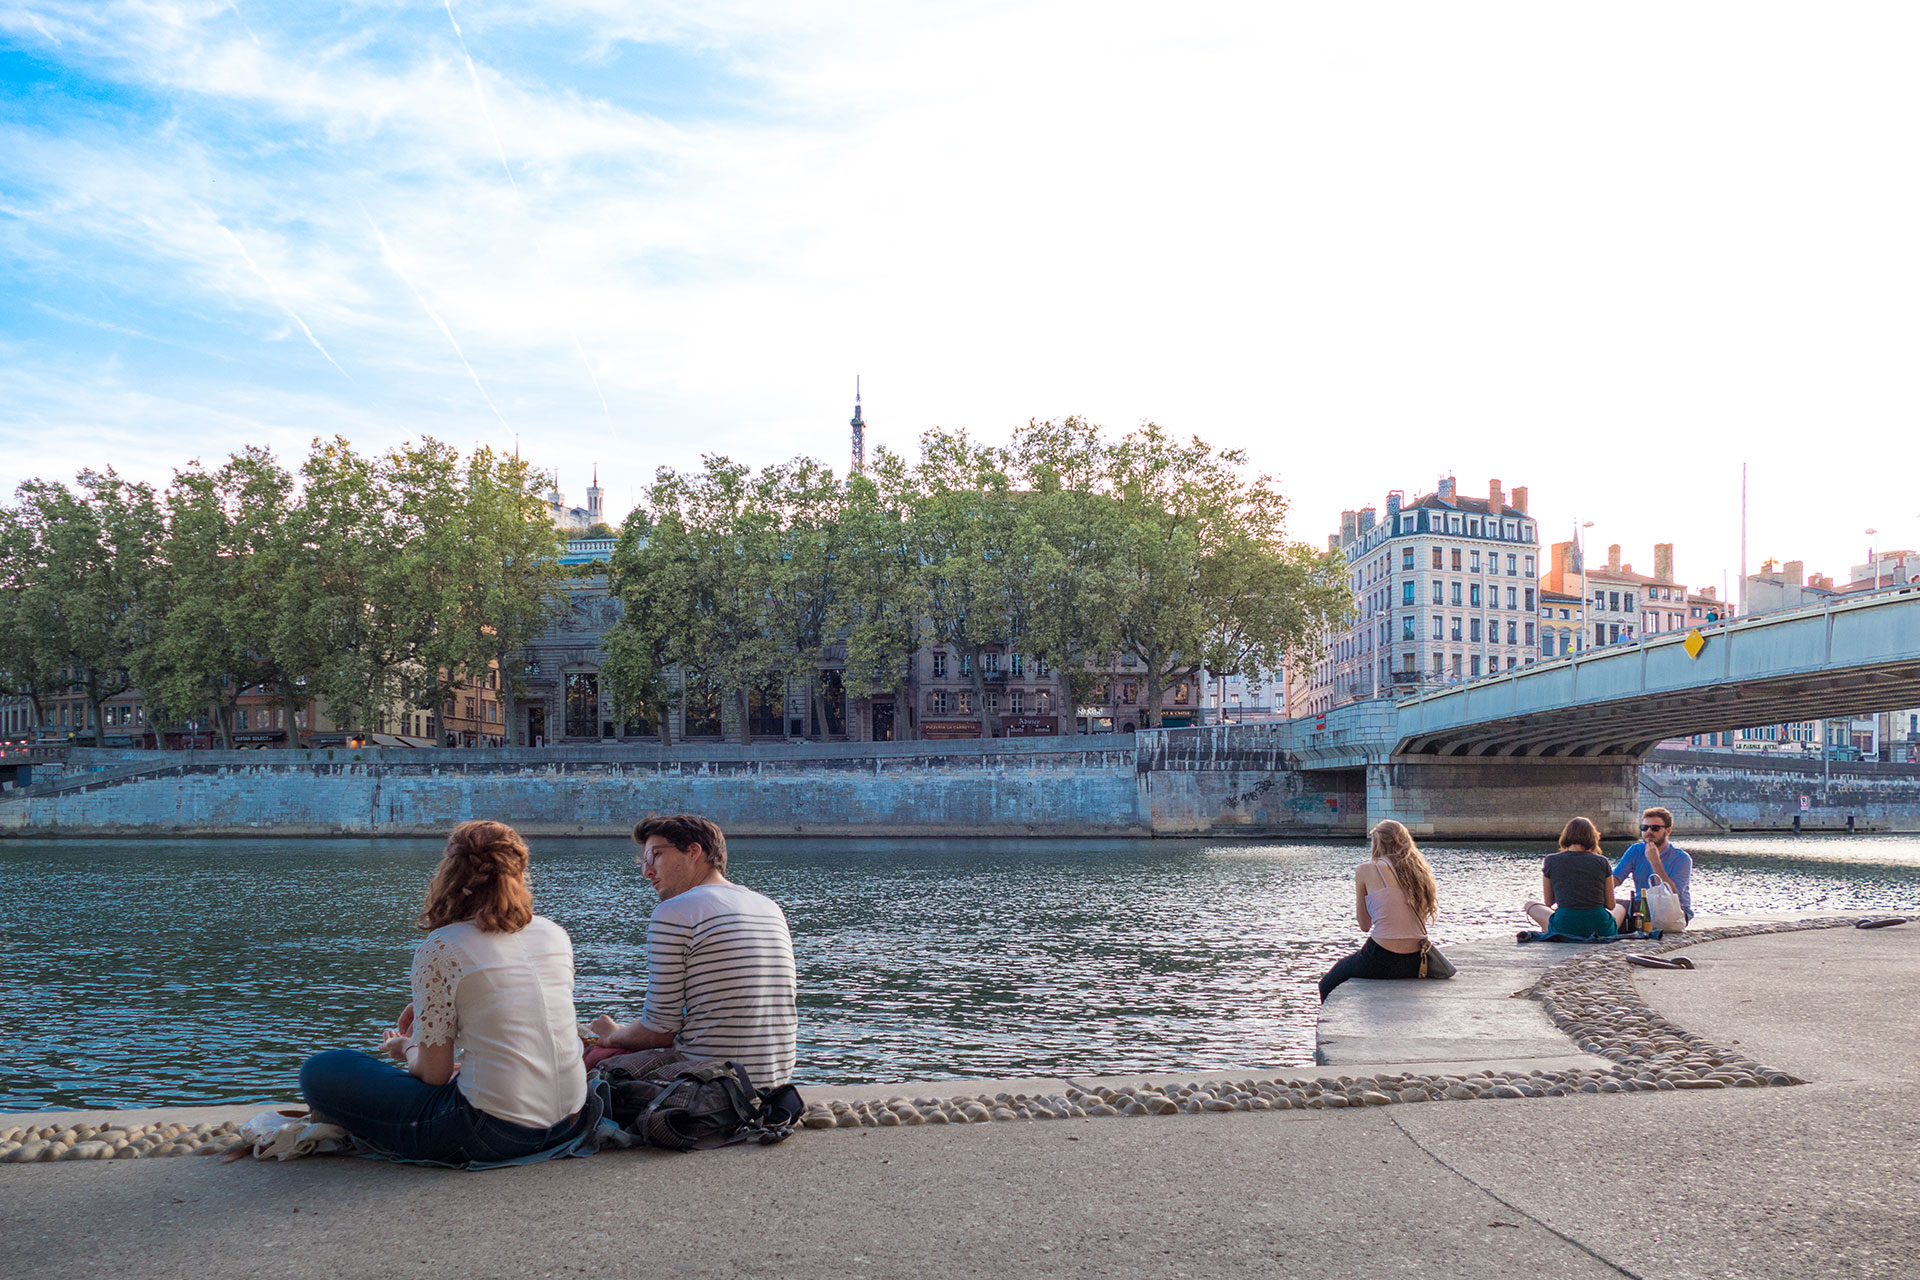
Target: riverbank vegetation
x=366, y=582
x=1071, y=547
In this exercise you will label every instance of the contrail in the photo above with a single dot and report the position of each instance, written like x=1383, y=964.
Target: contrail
x=393, y=264
x=473, y=74
x=480, y=97
x=279, y=301
x=243, y=22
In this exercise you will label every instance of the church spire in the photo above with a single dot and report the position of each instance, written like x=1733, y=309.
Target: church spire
x=859, y=431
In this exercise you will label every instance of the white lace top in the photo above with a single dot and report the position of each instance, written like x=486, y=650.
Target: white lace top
x=505, y=1001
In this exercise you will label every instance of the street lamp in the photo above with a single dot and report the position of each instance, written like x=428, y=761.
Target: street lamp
x=1580, y=549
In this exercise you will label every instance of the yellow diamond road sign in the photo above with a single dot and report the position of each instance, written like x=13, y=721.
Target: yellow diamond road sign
x=1694, y=643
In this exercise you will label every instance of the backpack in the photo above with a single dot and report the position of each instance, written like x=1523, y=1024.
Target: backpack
x=700, y=1106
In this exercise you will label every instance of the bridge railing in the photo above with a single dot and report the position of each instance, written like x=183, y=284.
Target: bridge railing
x=1661, y=639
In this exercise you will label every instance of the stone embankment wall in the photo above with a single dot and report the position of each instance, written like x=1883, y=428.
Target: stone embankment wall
x=1721, y=792
x=1104, y=786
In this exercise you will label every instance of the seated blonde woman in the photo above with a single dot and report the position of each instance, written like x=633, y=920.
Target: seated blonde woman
x=1395, y=898
x=1577, y=885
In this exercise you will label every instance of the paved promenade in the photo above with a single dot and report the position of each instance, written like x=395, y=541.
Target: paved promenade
x=1821, y=1179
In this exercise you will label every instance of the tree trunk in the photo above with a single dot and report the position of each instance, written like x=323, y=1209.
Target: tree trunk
x=980, y=691
x=291, y=708
x=223, y=721
x=440, y=703
x=742, y=705
x=97, y=703
x=1155, y=691
x=1066, y=701
x=509, y=704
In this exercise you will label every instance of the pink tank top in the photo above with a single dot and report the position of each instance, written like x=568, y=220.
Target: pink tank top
x=1392, y=916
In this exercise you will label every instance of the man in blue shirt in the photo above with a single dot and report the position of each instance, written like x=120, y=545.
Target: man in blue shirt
x=1652, y=858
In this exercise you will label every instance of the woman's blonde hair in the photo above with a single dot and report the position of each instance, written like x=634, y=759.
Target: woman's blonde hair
x=1580, y=833
x=482, y=877
x=1393, y=844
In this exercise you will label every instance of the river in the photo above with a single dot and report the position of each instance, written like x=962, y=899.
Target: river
x=167, y=972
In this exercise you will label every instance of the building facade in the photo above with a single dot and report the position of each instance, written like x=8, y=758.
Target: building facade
x=1445, y=589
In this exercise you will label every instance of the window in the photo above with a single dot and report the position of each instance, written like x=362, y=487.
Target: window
x=1439, y=663
x=1017, y=701
x=966, y=664
x=1473, y=594
x=468, y=703
x=1437, y=554
x=1042, y=668
x=1456, y=628
x=1513, y=601
x=1456, y=559
x=1513, y=566
x=1456, y=663
x=1614, y=628
x=1529, y=595
x=939, y=663
x=1406, y=628
x=1613, y=601
x=1127, y=691
x=1456, y=593
x=1529, y=633
x=1016, y=662
x=1406, y=593
x=1473, y=665
x=937, y=702
x=963, y=702
x=1474, y=560
x=1438, y=626
x=1182, y=692
x=1512, y=662
x=1629, y=602
x=1439, y=592
x=1473, y=628
x=1044, y=701
x=1529, y=566
x=990, y=664
x=1406, y=558
x=992, y=702
x=1512, y=629
x=1546, y=643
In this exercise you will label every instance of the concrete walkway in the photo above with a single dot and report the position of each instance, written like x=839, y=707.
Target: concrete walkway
x=1811, y=1181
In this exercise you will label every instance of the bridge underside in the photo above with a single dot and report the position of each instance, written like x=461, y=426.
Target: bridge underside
x=1630, y=727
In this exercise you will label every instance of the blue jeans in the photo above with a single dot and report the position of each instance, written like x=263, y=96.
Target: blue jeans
x=408, y=1119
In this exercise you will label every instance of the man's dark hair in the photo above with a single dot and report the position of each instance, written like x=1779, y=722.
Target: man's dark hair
x=682, y=830
x=1665, y=816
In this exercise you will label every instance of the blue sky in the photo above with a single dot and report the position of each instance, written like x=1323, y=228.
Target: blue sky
x=1607, y=255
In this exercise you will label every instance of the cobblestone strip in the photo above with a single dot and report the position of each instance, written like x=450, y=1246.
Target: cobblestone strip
x=115, y=1140
x=1591, y=997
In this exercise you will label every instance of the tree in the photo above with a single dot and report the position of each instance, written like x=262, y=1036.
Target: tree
x=881, y=602
x=808, y=572
x=30, y=653
x=1069, y=529
x=97, y=548
x=518, y=583
x=1203, y=568
x=963, y=525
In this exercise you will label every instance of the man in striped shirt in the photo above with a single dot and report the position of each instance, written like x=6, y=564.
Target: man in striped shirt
x=720, y=973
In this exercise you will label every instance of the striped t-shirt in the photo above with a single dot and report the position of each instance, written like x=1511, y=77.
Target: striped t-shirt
x=721, y=979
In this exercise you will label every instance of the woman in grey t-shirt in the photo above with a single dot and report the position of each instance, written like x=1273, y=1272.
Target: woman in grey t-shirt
x=1577, y=883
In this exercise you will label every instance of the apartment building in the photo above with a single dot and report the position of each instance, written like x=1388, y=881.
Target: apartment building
x=1445, y=589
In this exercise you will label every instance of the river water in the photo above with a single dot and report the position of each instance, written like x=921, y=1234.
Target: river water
x=164, y=972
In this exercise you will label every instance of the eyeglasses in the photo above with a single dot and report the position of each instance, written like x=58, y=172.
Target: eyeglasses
x=1652, y=826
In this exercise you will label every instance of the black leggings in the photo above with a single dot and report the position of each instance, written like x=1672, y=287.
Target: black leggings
x=1371, y=961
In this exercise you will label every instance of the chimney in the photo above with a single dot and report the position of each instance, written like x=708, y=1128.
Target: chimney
x=1394, y=499
x=1795, y=569
x=1446, y=490
x=1349, y=526
x=1495, y=498
x=1519, y=500
x=1613, y=557
x=1366, y=519
x=1710, y=592
x=1663, y=562
x=1333, y=542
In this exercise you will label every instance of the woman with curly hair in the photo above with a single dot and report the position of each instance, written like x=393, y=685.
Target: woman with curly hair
x=1394, y=899
x=492, y=986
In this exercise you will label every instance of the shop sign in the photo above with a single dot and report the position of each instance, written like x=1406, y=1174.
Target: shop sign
x=939, y=730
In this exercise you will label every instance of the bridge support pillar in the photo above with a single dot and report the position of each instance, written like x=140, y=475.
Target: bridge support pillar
x=1504, y=797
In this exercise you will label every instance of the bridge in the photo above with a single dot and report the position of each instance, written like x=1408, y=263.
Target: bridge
x=1518, y=752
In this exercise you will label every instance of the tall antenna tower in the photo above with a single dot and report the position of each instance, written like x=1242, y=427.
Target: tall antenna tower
x=859, y=431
